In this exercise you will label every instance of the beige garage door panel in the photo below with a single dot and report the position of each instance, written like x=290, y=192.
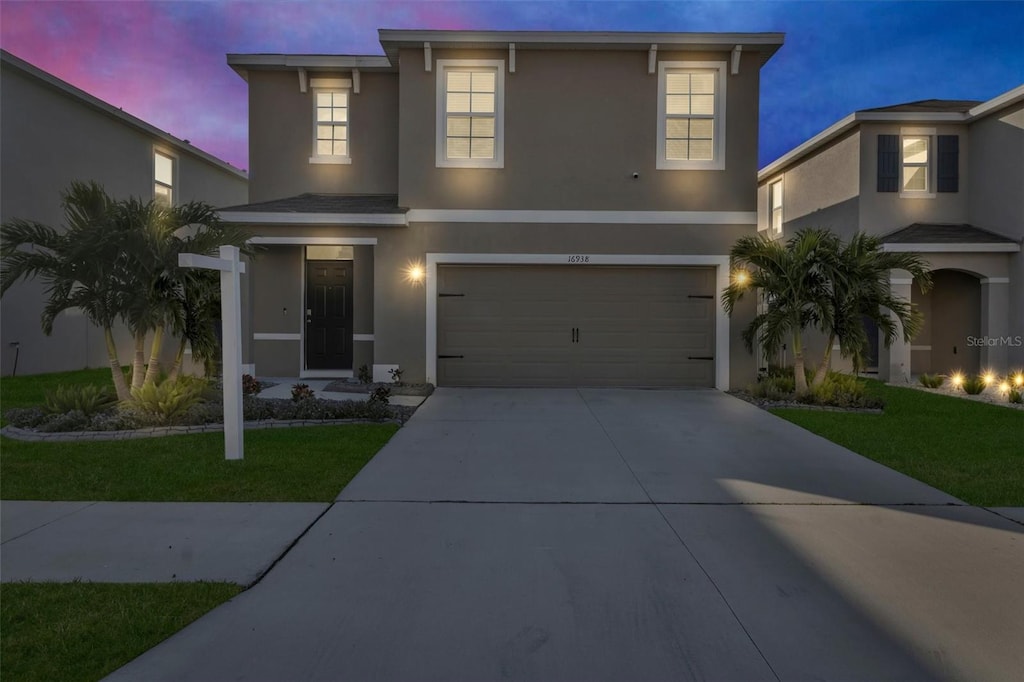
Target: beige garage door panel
x=638, y=326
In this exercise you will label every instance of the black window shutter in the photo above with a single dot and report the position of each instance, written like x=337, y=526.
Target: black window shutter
x=949, y=163
x=888, y=163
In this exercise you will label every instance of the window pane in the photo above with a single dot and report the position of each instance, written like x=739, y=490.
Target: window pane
x=330, y=253
x=701, y=150
x=702, y=128
x=483, y=103
x=703, y=104
x=676, y=149
x=340, y=98
x=458, y=81
x=677, y=83
x=777, y=220
x=483, y=148
x=339, y=115
x=340, y=132
x=483, y=81
x=323, y=99
x=458, y=148
x=702, y=83
x=483, y=126
x=915, y=150
x=677, y=104
x=915, y=179
x=340, y=148
x=164, y=169
x=677, y=128
x=324, y=148
x=458, y=126
x=162, y=194
x=325, y=132
x=776, y=189
x=458, y=102
x=324, y=114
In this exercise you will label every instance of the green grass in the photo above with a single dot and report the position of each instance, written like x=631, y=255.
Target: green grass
x=26, y=391
x=83, y=631
x=307, y=464
x=970, y=450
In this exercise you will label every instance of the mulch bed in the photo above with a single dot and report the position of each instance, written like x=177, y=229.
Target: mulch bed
x=349, y=386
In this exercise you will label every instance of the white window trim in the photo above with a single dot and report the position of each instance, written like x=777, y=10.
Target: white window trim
x=331, y=85
x=771, y=208
x=716, y=163
x=930, y=168
x=164, y=151
x=441, y=133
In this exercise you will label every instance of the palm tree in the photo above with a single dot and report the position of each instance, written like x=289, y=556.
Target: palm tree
x=80, y=264
x=858, y=289
x=794, y=277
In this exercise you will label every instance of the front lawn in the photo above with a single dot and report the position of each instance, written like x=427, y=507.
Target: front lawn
x=26, y=391
x=970, y=450
x=306, y=464
x=80, y=632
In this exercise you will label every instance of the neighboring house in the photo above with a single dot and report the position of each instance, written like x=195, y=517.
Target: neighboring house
x=51, y=135
x=940, y=178
x=503, y=208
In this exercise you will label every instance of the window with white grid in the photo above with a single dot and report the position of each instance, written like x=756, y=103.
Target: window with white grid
x=470, y=103
x=331, y=125
x=691, y=115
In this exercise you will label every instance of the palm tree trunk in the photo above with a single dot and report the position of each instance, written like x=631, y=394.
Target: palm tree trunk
x=799, y=375
x=139, y=361
x=153, y=371
x=826, y=362
x=120, y=385
x=179, y=357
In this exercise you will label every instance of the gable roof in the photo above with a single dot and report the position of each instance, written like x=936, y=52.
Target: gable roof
x=924, y=111
x=321, y=209
x=941, y=233
x=10, y=61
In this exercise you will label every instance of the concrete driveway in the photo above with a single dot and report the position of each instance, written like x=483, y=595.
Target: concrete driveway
x=622, y=535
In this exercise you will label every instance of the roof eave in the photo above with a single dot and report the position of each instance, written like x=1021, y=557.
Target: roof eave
x=242, y=63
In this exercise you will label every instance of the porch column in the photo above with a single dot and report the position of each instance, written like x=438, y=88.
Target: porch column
x=995, y=323
x=894, y=362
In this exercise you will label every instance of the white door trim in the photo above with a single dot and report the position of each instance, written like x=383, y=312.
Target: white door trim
x=721, y=264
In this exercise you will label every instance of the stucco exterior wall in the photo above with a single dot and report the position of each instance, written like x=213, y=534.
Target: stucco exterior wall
x=554, y=162
x=49, y=139
x=281, y=138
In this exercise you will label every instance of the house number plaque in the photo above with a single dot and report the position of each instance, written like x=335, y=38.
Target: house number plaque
x=579, y=259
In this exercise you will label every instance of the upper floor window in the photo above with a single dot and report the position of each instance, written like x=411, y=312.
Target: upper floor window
x=691, y=115
x=163, y=178
x=915, y=165
x=330, y=126
x=470, y=113
x=775, y=207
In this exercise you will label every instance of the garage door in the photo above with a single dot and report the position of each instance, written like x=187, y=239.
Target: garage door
x=575, y=326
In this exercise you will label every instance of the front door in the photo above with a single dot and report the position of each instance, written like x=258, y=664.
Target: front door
x=328, y=314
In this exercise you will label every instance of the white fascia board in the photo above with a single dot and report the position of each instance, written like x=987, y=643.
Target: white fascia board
x=269, y=218
x=308, y=61
x=314, y=241
x=998, y=102
x=999, y=247
x=596, y=38
x=443, y=215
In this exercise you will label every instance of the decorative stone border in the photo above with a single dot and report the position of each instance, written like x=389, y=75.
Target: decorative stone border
x=766, y=404
x=29, y=435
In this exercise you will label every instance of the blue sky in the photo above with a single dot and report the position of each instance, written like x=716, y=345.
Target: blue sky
x=164, y=61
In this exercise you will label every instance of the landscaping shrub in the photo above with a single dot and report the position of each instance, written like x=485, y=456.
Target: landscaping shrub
x=1014, y=396
x=842, y=390
x=26, y=417
x=250, y=386
x=365, y=375
x=381, y=395
x=302, y=392
x=777, y=387
x=973, y=385
x=163, y=403
x=86, y=398
x=931, y=380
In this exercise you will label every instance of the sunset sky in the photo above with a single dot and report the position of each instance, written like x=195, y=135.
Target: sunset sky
x=165, y=61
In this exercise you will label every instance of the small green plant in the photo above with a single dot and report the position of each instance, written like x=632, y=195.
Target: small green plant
x=302, y=392
x=365, y=375
x=974, y=385
x=250, y=386
x=931, y=380
x=1015, y=396
x=85, y=398
x=380, y=395
x=396, y=375
x=166, y=401
x=776, y=386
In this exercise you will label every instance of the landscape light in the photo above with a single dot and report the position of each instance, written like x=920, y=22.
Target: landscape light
x=1004, y=387
x=957, y=379
x=987, y=378
x=1018, y=379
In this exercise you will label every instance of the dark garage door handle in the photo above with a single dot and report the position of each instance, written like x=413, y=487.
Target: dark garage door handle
x=702, y=357
x=701, y=296
x=450, y=357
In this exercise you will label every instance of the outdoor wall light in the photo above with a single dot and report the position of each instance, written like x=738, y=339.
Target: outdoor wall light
x=414, y=273
x=741, y=277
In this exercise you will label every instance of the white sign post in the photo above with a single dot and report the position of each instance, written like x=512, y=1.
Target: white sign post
x=230, y=268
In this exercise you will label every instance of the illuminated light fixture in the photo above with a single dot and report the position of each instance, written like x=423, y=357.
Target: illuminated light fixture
x=414, y=273
x=741, y=277
x=1018, y=379
x=988, y=378
x=957, y=379
x=1004, y=387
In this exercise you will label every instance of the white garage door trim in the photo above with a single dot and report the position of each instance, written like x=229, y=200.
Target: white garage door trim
x=721, y=264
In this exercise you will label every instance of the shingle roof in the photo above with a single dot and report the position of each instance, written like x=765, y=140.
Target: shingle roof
x=959, y=106
x=928, y=233
x=325, y=203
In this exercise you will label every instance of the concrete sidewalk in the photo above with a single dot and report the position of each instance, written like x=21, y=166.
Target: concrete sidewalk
x=282, y=389
x=131, y=542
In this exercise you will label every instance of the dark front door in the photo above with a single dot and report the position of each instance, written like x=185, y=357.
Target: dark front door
x=328, y=314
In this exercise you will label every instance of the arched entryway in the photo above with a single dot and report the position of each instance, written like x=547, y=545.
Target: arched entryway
x=949, y=340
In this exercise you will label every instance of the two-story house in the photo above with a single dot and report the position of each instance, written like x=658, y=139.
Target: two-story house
x=54, y=134
x=940, y=178
x=503, y=208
